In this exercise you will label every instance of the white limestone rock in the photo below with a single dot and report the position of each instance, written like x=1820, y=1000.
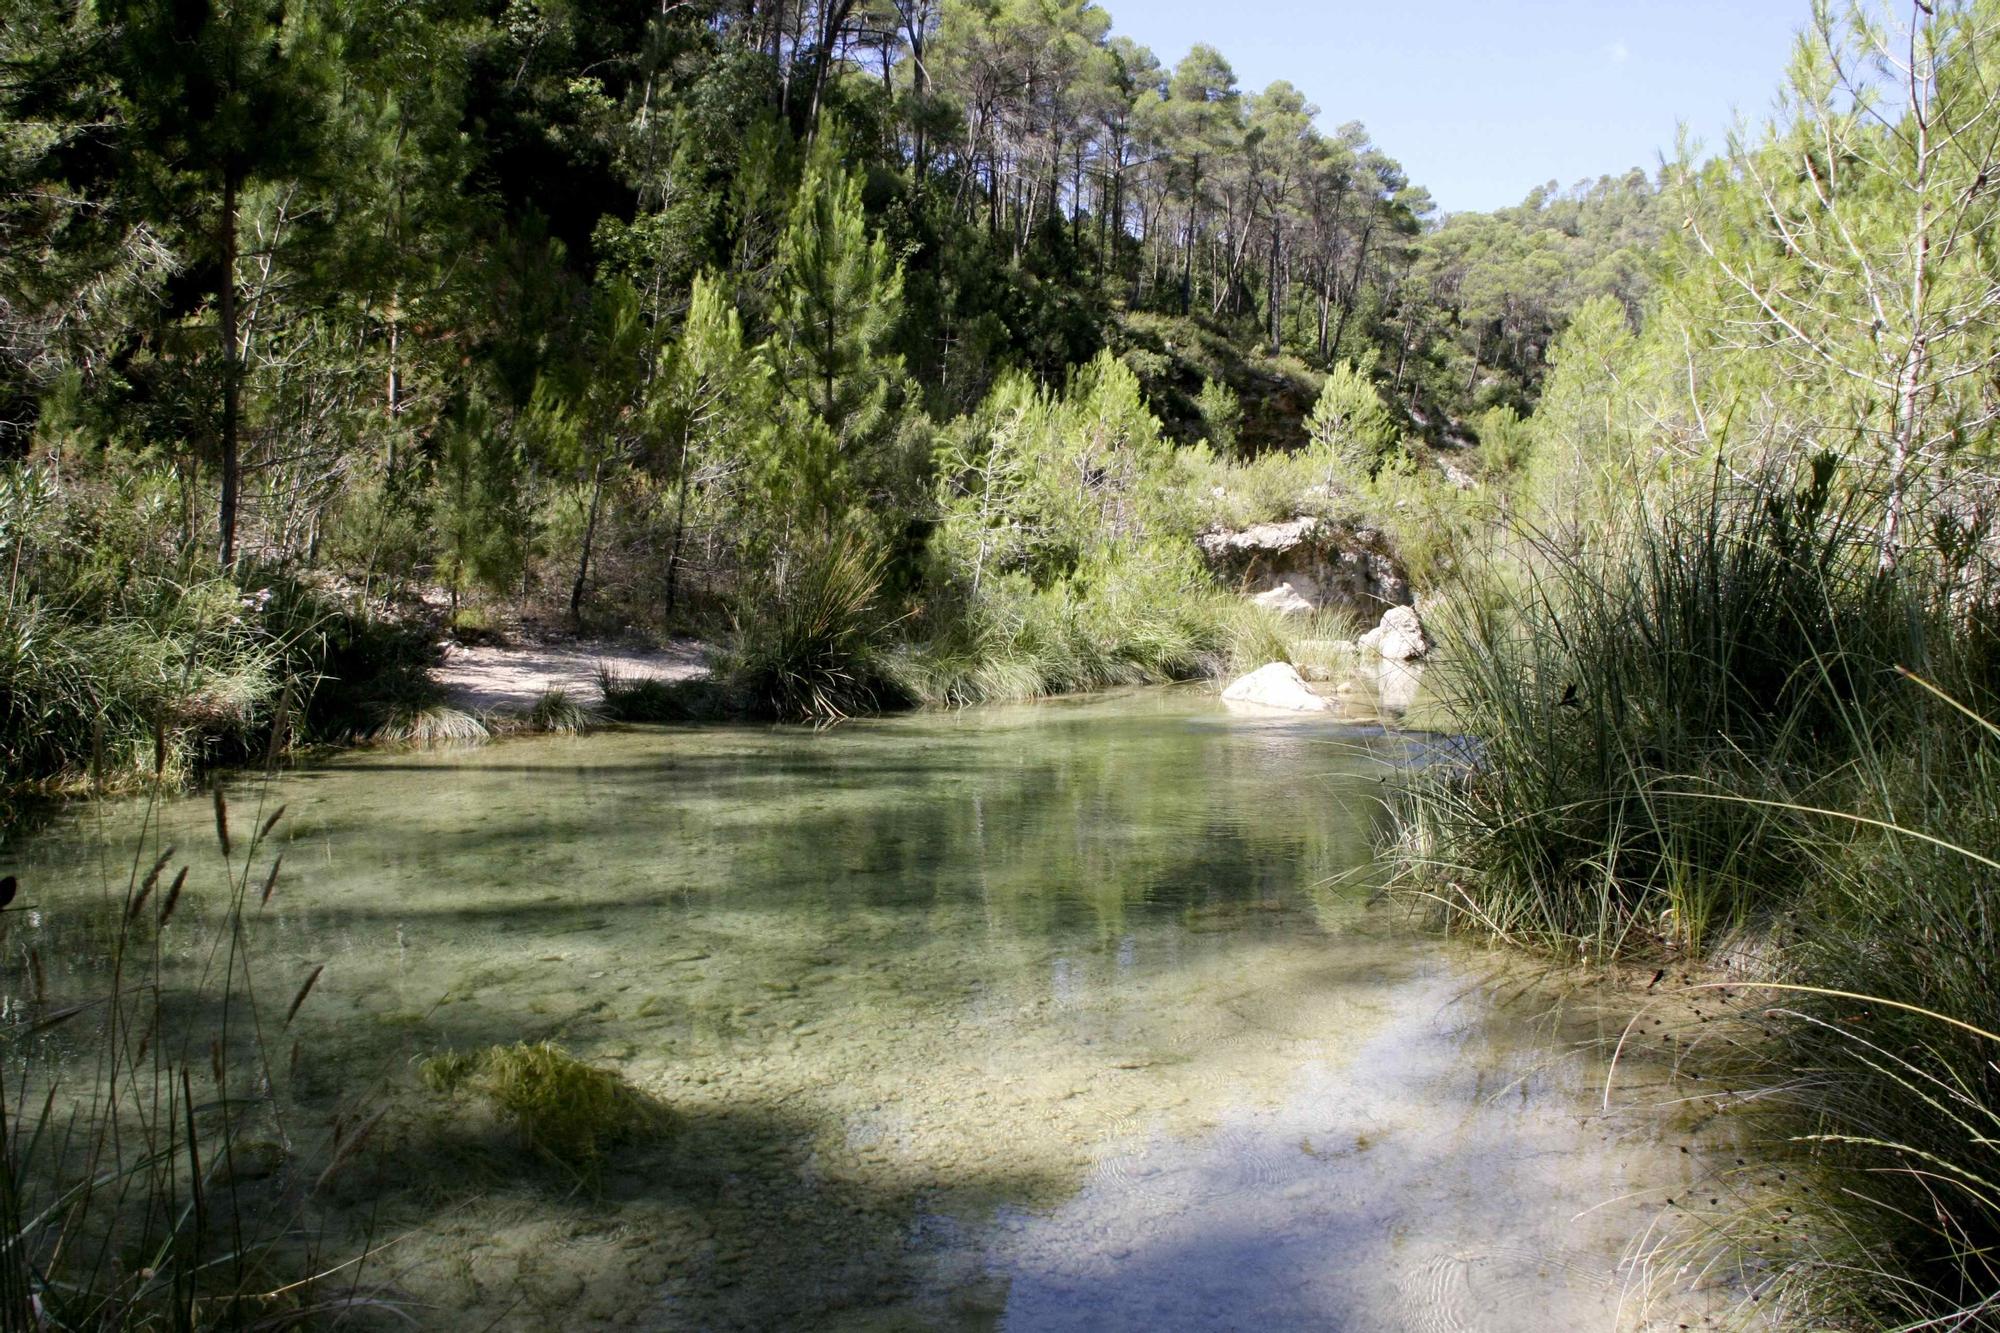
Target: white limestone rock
x=1276, y=686
x=1288, y=600
x=1400, y=637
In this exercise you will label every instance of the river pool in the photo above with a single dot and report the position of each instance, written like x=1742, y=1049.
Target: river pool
x=1076, y=1015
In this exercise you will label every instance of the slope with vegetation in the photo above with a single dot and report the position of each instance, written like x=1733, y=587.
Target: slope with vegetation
x=613, y=316
x=907, y=347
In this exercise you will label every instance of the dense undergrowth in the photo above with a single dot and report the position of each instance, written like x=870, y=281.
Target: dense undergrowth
x=122, y=659
x=1736, y=737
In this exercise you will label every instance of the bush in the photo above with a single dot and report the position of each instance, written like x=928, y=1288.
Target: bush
x=813, y=648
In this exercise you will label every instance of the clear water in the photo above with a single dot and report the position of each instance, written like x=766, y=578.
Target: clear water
x=1067, y=1016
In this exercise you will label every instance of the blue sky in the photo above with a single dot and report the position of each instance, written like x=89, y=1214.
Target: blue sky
x=1481, y=100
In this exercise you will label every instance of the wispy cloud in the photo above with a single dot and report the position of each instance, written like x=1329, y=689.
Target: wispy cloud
x=1618, y=53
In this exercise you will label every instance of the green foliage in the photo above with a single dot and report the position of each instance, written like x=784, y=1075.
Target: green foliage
x=1635, y=709
x=837, y=302
x=478, y=508
x=1349, y=429
x=1139, y=617
x=1221, y=413
x=813, y=650
x=1594, y=440
x=713, y=409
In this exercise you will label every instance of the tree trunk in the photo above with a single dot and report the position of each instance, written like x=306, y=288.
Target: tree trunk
x=232, y=376
x=680, y=534
x=589, y=538
x=1276, y=292
x=1353, y=287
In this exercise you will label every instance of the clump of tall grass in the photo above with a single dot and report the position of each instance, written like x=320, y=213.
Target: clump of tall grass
x=81, y=698
x=650, y=699
x=119, y=665
x=556, y=712
x=428, y=727
x=1642, y=722
x=814, y=648
x=1886, y=1014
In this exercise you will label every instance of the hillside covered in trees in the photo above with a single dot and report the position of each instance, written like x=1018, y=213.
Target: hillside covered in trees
x=608, y=315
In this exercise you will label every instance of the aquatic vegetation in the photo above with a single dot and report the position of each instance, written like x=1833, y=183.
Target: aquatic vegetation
x=565, y=1110
x=167, y=1191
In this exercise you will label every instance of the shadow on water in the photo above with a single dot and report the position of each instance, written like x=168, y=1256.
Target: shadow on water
x=724, y=1221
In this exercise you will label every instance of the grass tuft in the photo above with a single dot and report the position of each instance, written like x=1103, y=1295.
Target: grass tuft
x=815, y=649
x=429, y=727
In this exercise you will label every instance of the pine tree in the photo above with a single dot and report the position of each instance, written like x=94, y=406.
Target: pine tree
x=838, y=303
x=218, y=94
x=476, y=502
x=592, y=414
x=1349, y=428
x=712, y=402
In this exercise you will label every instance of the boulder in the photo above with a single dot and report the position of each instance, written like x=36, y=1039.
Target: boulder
x=1323, y=562
x=1400, y=637
x=1276, y=686
x=1289, y=600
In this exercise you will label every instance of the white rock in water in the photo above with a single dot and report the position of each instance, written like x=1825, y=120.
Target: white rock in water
x=1286, y=601
x=1276, y=686
x=1400, y=636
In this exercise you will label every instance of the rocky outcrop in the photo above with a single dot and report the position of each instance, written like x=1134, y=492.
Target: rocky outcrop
x=1309, y=564
x=1276, y=686
x=1399, y=638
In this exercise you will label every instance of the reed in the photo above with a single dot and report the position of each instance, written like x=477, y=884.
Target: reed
x=1641, y=725
x=152, y=1171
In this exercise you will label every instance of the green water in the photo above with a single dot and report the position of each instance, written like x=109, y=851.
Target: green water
x=1065, y=1016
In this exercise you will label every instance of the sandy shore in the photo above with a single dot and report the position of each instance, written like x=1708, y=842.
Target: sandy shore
x=486, y=678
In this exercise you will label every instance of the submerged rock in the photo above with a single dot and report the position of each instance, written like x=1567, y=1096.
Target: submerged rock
x=1400, y=637
x=1277, y=685
x=1308, y=563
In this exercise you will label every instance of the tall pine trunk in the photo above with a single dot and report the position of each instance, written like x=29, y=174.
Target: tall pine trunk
x=232, y=375
x=589, y=539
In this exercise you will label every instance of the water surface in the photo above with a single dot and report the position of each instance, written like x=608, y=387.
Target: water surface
x=1075, y=1015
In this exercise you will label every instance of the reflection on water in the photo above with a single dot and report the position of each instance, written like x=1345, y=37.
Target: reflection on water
x=1065, y=1016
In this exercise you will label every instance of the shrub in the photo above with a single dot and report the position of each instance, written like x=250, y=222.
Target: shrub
x=812, y=648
